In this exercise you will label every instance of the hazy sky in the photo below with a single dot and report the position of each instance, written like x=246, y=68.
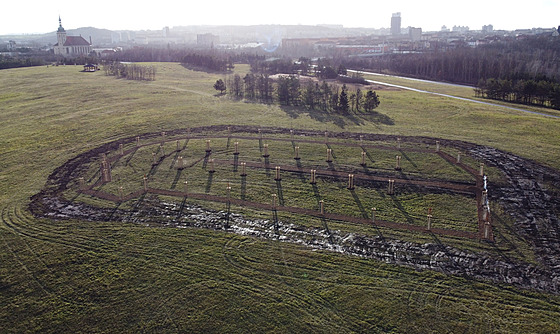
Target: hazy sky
x=36, y=16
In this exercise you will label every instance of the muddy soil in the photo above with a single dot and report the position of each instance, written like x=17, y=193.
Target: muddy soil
x=531, y=196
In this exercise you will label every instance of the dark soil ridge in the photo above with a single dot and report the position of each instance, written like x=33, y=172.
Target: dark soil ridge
x=531, y=197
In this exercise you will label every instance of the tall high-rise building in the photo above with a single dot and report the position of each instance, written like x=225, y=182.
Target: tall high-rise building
x=396, y=24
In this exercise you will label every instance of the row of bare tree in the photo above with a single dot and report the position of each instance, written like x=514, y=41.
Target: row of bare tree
x=289, y=90
x=130, y=71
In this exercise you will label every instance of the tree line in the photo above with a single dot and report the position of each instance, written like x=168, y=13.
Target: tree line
x=130, y=71
x=323, y=68
x=289, y=90
x=213, y=62
x=542, y=92
x=11, y=62
x=528, y=58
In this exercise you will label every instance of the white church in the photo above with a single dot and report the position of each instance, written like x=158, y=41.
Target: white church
x=70, y=46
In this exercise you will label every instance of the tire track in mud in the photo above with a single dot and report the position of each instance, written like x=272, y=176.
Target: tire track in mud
x=431, y=292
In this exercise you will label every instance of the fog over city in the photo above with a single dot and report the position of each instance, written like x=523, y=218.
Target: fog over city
x=41, y=17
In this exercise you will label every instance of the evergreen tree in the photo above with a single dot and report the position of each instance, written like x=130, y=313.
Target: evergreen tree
x=237, y=86
x=326, y=93
x=359, y=97
x=249, y=82
x=220, y=85
x=343, y=105
x=371, y=101
x=308, y=95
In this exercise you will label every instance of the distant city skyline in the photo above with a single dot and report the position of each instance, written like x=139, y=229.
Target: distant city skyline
x=42, y=17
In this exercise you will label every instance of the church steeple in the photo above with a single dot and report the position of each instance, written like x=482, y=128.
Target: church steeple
x=60, y=29
x=60, y=34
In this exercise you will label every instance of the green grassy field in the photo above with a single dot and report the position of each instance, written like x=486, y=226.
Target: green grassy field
x=80, y=276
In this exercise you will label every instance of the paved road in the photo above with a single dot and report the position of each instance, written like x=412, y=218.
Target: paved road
x=447, y=95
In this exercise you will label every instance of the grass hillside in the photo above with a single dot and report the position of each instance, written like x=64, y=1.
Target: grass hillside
x=81, y=276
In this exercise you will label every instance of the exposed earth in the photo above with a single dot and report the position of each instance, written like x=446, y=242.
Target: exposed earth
x=531, y=196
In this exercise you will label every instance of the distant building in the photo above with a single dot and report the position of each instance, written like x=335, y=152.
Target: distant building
x=461, y=29
x=487, y=28
x=396, y=24
x=415, y=34
x=11, y=46
x=207, y=40
x=70, y=46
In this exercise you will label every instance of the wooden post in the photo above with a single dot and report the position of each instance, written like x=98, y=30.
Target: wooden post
x=145, y=179
x=437, y=145
x=398, y=165
x=373, y=215
x=186, y=189
x=363, y=163
x=121, y=149
x=236, y=145
x=243, y=171
x=121, y=193
x=458, y=157
x=154, y=161
x=211, y=170
x=313, y=181
x=429, y=218
x=322, y=207
x=82, y=183
x=137, y=141
x=180, y=163
x=329, y=155
x=487, y=230
x=277, y=178
x=106, y=175
x=208, y=149
x=297, y=153
x=399, y=143
x=265, y=151
x=291, y=134
x=163, y=137
x=350, y=181
x=429, y=222
x=274, y=197
x=326, y=137
x=178, y=146
x=481, y=169
x=391, y=187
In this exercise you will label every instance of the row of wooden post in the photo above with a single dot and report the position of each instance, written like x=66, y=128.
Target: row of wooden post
x=106, y=174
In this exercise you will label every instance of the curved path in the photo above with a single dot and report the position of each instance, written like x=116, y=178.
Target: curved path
x=446, y=95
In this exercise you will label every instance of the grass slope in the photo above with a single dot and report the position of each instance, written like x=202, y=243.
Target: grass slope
x=78, y=276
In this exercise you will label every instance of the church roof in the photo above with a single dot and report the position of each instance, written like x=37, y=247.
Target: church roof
x=75, y=41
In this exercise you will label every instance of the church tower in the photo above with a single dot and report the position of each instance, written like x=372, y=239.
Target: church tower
x=60, y=33
x=70, y=46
